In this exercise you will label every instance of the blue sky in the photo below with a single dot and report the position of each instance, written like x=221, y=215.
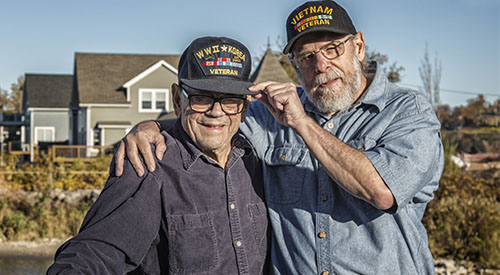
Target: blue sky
x=42, y=36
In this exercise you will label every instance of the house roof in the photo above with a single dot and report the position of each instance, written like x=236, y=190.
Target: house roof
x=270, y=69
x=47, y=91
x=100, y=76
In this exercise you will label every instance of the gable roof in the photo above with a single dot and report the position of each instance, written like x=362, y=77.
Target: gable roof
x=100, y=77
x=145, y=73
x=270, y=69
x=47, y=91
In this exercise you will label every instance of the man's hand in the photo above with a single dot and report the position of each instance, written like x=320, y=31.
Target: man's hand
x=282, y=100
x=348, y=167
x=140, y=137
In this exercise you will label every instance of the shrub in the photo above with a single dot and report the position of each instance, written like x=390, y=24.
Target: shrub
x=44, y=174
x=34, y=215
x=24, y=219
x=463, y=220
x=450, y=145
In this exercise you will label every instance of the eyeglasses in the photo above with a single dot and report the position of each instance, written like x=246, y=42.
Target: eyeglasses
x=203, y=103
x=330, y=51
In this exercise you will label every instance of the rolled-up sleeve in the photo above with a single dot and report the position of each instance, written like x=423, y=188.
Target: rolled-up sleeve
x=118, y=230
x=409, y=155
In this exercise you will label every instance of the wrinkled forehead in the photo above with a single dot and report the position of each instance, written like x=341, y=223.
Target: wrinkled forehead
x=315, y=37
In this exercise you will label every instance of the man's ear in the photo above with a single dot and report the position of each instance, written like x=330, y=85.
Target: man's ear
x=245, y=110
x=290, y=59
x=297, y=70
x=359, y=43
x=176, y=98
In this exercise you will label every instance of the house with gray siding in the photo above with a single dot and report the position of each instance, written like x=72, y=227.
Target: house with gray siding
x=46, y=108
x=113, y=92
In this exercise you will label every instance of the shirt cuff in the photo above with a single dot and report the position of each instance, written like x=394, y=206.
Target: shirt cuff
x=388, y=177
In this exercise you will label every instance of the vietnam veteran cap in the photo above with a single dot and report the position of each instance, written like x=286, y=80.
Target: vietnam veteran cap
x=216, y=64
x=317, y=16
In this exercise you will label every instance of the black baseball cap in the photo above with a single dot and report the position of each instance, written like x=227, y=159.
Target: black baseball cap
x=313, y=16
x=216, y=64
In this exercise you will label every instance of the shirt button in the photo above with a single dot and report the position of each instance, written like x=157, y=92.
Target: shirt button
x=283, y=157
x=325, y=273
x=238, y=243
x=329, y=125
x=232, y=206
x=324, y=197
x=322, y=235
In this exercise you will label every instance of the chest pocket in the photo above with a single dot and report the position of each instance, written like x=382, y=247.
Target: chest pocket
x=186, y=234
x=284, y=176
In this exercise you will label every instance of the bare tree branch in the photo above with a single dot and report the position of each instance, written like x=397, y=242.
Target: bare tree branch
x=431, y=77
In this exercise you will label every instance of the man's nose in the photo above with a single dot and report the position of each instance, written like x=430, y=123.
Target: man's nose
x=322, y=63
x=216, y=109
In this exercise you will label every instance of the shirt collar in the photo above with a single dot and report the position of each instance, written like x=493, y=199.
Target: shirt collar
x=373, y=95
x=190, y=153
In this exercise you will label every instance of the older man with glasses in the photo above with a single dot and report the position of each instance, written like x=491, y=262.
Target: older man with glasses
x=202, y=211
x=351, y=160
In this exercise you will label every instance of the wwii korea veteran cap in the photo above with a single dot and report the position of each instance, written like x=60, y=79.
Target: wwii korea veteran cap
x=216, y=64
x=317, y=16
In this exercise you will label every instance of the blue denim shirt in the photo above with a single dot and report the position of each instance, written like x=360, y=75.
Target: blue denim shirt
x=317, y=226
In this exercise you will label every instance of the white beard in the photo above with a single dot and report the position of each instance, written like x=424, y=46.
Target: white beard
x=334, y=100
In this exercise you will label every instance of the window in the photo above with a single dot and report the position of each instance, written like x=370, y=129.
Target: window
x=44, y=134
x=147, y=98
x=153, y=100
x=160, y=100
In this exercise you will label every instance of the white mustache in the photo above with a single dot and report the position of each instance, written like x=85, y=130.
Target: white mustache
x=327, y=76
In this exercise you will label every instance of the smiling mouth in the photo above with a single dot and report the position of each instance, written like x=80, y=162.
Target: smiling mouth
x=329, y=83
x=212, y=126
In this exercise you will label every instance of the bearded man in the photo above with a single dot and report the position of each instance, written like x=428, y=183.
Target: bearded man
x=350, y=160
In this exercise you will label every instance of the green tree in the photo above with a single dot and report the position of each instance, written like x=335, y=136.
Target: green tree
x=16, y=96
x=476, y=107
x=4, y=100
x=10, y=102
x=472, y=115
x=392, y=71
x=444, y=114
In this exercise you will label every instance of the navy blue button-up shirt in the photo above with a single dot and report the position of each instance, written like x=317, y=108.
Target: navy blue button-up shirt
x=317, y=225
x=190, y=216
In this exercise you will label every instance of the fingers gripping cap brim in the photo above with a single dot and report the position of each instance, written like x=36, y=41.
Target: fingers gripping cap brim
x=225, y=86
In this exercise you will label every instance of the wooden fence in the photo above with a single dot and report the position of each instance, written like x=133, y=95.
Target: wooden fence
x=64, y=153
x=61, y=153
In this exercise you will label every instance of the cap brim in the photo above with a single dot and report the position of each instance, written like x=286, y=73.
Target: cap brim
x=225, y=86
x=325, y=28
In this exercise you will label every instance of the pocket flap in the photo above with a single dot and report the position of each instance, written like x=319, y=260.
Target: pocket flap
x=284, y=155
x=190, y=221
